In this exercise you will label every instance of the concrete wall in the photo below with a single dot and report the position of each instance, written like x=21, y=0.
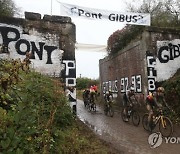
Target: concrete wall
x=154, y=56
x=50, y=40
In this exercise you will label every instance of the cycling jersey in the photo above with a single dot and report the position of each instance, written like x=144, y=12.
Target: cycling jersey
x=156, y=100
x=108, y=97
x=127, y=98
x=86, y=93
x=150, y=101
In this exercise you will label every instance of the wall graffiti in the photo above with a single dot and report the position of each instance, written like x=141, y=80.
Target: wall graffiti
x=110, y=86
x=16, y=43
x=28, y=45
x=151, y=72
x=69, y=75
x=168, y=57
x=70, y=72
x=134, y=82
x=168, y=52
x=125, y=83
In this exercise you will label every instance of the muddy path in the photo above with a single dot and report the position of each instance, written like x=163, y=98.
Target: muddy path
x=124, y=136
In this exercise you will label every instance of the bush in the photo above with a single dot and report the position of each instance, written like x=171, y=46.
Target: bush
x=33, y=111
x=172, y=89
x=120, y=38
x=83, y=83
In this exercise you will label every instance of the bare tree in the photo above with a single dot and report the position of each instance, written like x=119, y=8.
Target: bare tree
x=173, y=6
x=164, y=13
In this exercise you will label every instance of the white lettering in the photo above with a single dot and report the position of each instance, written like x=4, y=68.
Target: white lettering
x=172, y=140
x=69, y=66
x=167, y=139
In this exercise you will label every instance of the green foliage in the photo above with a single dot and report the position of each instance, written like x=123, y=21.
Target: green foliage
x=83, y=83
x=33, y=110
x=172, y=89
x=119, y=39
x=8, y=8
x=80, y=139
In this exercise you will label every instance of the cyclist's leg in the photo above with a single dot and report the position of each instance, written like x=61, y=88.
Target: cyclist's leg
x=93, y=106
x=125, y=106
x=85, y=101
x=93, y=101
x=106, y=105
x=150, y=113
x=111, y=110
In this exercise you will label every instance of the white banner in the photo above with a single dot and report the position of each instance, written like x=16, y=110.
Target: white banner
x=91, y=47
x=96, y=14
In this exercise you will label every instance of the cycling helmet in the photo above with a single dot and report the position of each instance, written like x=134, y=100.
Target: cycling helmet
x=160, y=89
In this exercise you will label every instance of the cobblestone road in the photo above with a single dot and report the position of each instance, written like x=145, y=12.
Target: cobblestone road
x=124, y=136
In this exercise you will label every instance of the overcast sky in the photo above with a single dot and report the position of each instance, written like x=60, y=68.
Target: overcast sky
x=87, y=31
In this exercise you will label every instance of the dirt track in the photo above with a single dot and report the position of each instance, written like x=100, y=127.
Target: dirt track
x=124, y=136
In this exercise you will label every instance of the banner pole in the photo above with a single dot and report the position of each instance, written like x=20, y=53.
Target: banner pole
x=51, y=7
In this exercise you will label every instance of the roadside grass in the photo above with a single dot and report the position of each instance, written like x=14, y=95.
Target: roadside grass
x=89, y=143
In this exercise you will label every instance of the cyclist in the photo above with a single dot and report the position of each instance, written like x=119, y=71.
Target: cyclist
x=92, y=95
x=95, y=88
x=86, y=96
x=108, y=96
x=128, y=100
x=153, y=101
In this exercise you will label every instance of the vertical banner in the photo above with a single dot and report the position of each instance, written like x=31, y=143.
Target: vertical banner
x=111, y=16
x=151, y=72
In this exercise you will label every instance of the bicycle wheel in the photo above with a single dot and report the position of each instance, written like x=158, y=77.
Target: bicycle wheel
x=105, y=110
x=89, y=106
x=123, y=116
x=135, y=118
x=85, y=103
x=165, y=127
x=111, y=111
x=145, y=122
x=93, y=107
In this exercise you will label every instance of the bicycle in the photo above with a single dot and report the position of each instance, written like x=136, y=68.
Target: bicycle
x=108, y=108
x=165, y=124
x=86, y=101
x=91, y=105
x=86, y=97
x=87, y=104
x=131, y=113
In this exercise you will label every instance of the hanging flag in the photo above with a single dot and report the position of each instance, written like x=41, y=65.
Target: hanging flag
x=112, y=16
